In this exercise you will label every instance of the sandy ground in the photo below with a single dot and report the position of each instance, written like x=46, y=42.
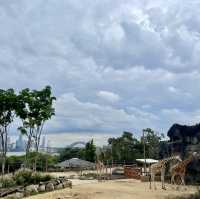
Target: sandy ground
x=118, y=189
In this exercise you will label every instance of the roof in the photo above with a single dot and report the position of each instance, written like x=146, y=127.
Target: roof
x=148, y=161
x=75, y=163
x=184, y=130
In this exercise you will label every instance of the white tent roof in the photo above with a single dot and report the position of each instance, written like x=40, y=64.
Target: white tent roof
x=148, y=161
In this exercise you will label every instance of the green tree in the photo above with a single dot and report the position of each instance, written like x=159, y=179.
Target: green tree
x=34, y=108
x=7, y=108
x=125, y=147
x=152, y=141
x=69, y=153
x=90, y=151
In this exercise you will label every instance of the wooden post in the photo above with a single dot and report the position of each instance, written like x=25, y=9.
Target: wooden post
x=144, y=153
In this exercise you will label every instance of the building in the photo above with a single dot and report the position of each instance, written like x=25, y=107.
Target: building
x=20, y=144
x=184, y=139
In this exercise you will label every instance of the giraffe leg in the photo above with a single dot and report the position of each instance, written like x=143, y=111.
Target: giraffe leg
x=163, y=179
x=153, y=181
x=183, y=182
x=172, y=179
x=150, y=178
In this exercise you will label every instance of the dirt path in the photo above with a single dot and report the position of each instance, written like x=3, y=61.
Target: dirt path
x=120, y=189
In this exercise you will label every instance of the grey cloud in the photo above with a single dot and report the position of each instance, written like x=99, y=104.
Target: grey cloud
x=145, y=52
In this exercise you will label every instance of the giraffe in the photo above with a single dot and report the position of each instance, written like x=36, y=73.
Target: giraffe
x=160, y=167
x=100, y=167
x=180, y=169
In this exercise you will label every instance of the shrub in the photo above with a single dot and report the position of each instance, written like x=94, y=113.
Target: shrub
x=26, y=176
x=7, y=182
x=23, y=176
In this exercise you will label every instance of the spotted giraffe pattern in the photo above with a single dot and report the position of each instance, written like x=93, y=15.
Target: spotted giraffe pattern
x=160, y=167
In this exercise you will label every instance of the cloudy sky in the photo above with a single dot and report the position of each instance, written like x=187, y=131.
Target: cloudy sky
x=113, y=65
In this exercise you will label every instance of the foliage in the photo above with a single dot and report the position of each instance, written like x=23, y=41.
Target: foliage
x=69, y=153
x=35, y=107
x=125, y=147
x=26, y=177
x=7, y=182
x=44, y=161
x=90, y=151
x=152, y=142
x=7, y=107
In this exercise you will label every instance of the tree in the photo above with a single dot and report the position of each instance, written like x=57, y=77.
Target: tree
x=125, y=147
x=152, y=141
x=34, y=109
x=7, y=107
x=90, y=151
x=69, y=153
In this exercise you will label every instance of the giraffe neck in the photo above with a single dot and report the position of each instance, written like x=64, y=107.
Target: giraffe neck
x=187, y=161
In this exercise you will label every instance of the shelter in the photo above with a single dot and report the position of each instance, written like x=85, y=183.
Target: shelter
x=76, y=163
x=147, y=161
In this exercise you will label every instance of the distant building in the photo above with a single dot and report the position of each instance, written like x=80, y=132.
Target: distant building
x=20, y=144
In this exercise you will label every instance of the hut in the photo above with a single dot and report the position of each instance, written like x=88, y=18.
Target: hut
x=76, y=164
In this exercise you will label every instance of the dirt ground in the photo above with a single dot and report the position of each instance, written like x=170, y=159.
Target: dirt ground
x=115, y=189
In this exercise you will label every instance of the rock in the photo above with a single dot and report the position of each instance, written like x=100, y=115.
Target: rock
x=67, y=184
x=41, y=188
x=59, y=186
x=49, y=186
x=31, y=189
x=19, y=195
x=11, y=196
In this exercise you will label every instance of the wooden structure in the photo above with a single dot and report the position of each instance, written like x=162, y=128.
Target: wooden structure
x=131, y=171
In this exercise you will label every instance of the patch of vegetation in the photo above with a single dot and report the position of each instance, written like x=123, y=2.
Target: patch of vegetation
x=24, y=177
x=7, y=182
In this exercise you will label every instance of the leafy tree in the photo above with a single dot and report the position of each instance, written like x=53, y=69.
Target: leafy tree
x=125, y=147
x=7, y=107
x=34, y=109
x=90, y=151
x=69, y=153
x=152, y=141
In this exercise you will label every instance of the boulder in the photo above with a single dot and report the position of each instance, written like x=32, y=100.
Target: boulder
x=67, y=184
x=59, y=186
x=49, y=186
x=19, y=195
x=41, y=188
x=31, y=189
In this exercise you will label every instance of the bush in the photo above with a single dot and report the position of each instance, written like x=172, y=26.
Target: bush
x=26, y=177
x=7, y=182
x=23, y=176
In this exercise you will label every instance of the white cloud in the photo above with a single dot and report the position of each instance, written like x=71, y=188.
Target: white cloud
x=127, y=64
x=108, y=96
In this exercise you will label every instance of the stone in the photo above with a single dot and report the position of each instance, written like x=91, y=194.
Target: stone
x=31, y=189
x=41, y=188
x=49, y=186
x=67, y=184
x=59, y=186
x=19, y=195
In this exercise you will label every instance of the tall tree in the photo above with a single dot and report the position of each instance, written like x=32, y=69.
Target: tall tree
x=152, y=140
x=125, y=147
x=90, y=151
x=7, y=107
x=34, y=108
